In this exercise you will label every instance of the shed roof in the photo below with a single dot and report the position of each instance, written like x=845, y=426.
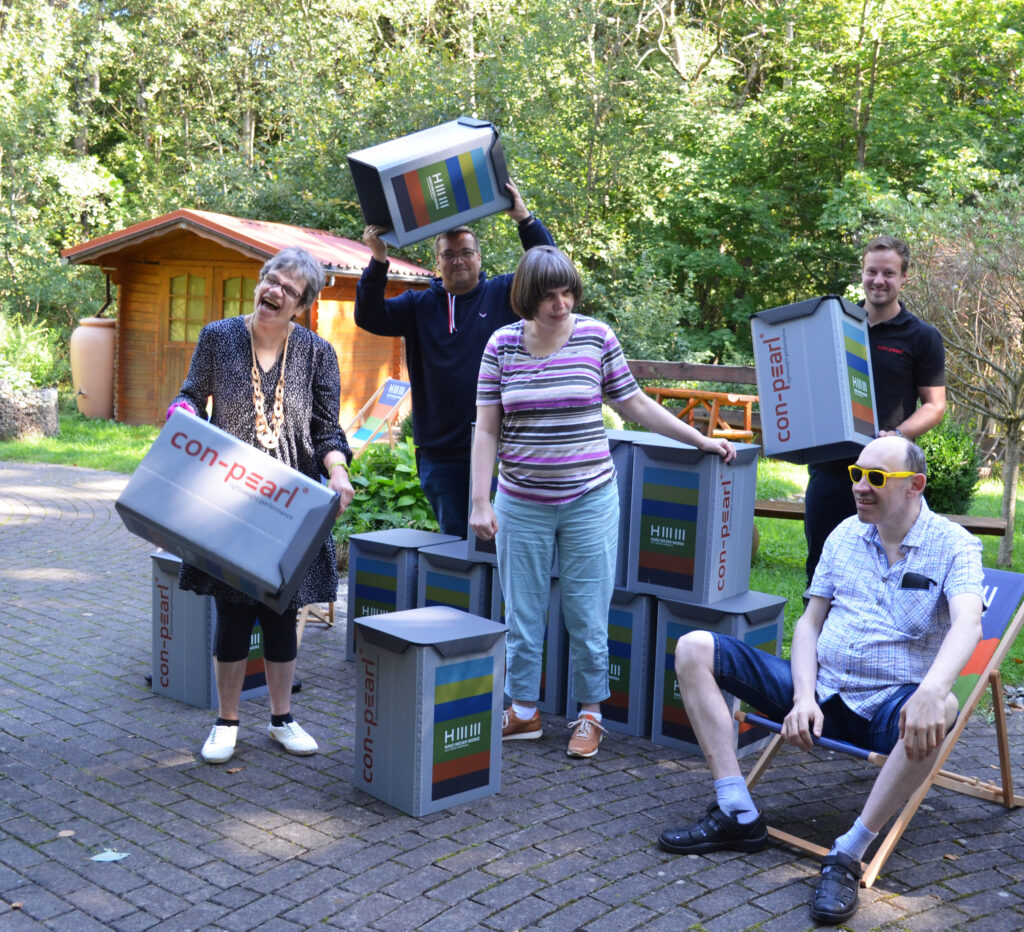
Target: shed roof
x=257, y=238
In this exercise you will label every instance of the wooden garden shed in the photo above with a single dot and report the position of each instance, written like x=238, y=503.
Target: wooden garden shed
x=182, y=270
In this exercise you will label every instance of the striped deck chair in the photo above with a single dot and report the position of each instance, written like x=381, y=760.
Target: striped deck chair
x=1001, y=623
x=376, y=419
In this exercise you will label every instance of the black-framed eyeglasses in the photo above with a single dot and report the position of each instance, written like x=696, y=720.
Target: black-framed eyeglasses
x=876, y=477
x=275, y=282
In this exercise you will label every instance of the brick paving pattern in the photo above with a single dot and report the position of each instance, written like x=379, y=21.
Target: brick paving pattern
x=91, y=759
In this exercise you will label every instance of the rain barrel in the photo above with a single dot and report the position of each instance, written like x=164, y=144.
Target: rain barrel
x=92, y=366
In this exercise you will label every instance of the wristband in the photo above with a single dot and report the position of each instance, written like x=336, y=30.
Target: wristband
x=527, y=220
x=334, y=466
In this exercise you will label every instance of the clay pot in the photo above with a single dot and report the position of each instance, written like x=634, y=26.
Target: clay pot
x=92, y=366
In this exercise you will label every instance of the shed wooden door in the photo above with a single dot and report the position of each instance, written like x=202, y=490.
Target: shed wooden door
x=193, y=296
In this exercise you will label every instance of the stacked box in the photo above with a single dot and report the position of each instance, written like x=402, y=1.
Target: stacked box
x=754, y=617
x=447, y=577
x=183, y=632
x=428, y=708
x=814, y=380
x=431, y=181
x=382, y=573
x=691, y=521
x=556, y=648
x=628, y=709
x=620, y=443
x=229, y=509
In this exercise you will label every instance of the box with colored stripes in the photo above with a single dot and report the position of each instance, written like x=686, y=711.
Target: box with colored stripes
x=691, y=521
x=233, y=511
x=382, y=572
x=183, y=629
x=431, y=181
x=428, y=707
x=754, y=617
x=813, y=363
x=630, y=639
x=620, y=444
x=447, y=577
x=554, y=657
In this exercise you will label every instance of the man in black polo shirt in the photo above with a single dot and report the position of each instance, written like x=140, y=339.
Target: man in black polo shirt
x=908, y=365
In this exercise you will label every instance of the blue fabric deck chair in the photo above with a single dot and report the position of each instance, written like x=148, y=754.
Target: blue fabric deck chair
x=377, y=418
x=1001, y=623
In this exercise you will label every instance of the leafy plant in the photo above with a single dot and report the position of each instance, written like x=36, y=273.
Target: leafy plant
x=28, y=354
x=953, y=463
x=388, y=493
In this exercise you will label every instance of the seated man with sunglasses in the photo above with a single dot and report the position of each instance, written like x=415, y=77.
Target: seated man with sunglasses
x=894, y=614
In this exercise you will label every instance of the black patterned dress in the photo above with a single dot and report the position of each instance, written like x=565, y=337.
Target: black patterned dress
x=220, y=368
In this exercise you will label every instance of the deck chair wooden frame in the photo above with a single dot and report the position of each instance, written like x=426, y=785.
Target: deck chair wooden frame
x=385, y=414
x=1001, y=623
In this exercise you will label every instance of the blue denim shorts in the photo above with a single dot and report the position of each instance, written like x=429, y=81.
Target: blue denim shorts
x=766, y=683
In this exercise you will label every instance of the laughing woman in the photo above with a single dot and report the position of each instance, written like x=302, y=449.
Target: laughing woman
x=539, y=397
x=274, y=385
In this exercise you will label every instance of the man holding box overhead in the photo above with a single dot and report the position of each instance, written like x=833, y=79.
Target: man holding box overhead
x=894, y=614
x=445, y=328
x=908, y=364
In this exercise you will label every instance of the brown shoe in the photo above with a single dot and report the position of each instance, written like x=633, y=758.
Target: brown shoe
x=587, y=736
x=513, y=728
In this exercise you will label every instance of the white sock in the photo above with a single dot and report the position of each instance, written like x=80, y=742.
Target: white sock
x=856, y=841
x=596, y=716
x=734, y=799
x=524, y=712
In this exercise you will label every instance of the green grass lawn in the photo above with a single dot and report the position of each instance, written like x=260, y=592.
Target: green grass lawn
x=778, y=567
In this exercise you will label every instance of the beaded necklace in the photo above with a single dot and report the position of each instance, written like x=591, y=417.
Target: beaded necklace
x=267, y=434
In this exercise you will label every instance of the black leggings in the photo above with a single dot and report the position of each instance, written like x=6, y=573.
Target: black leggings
x=235, y=622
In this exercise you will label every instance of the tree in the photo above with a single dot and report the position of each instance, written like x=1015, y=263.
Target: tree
x=969, y=282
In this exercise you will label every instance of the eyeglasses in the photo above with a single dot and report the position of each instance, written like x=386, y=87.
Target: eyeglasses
x=450, y=255
x=287, y=289
x=876, y=477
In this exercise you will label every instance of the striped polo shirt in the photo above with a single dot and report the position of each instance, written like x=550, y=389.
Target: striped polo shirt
x=553, y=447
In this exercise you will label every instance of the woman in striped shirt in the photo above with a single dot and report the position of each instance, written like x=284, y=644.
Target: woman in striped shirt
x=542, y=382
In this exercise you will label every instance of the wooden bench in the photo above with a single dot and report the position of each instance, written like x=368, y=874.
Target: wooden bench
x=794, y=511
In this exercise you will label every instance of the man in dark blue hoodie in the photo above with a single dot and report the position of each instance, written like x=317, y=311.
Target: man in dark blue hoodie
x=446, y=328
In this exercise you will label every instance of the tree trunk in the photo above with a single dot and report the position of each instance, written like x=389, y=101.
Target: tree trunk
x=1011, y=476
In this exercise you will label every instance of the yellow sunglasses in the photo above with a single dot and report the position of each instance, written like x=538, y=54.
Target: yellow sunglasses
x=876, y=477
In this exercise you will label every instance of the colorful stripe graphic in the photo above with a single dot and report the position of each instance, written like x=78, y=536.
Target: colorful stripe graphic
x=667, y=542
x=443, y=189
x=463, y=699
x=858, y=380
x=620, y=656
x=447, y=589
x=376, y=586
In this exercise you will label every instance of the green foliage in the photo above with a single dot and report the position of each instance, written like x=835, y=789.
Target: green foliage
x=953, y=463
x=388, y=493
x=29, y=356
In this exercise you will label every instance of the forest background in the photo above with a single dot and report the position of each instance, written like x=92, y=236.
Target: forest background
x=699, y=160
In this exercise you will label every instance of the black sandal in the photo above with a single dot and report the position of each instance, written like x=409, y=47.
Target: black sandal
x=835, y=897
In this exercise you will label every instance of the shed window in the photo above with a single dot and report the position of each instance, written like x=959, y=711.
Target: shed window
x=187, y=308
x=238, y=296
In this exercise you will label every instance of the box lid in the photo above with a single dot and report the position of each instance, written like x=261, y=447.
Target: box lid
x=401, y=538
x=754, y=606
x=779, y=315
x=450, y=631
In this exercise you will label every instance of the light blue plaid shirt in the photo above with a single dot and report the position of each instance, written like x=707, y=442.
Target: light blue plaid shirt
x=879, y=634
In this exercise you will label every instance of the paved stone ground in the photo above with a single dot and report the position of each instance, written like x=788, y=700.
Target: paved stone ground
x=91, y=760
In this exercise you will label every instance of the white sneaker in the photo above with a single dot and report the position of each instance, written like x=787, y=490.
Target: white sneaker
x=220, y=745
x=294, y=738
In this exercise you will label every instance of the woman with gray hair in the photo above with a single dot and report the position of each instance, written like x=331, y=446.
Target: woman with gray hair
x=274, y=385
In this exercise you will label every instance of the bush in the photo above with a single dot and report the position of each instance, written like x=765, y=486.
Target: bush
x=953, y=464
x=28, y=354
x=388, y=493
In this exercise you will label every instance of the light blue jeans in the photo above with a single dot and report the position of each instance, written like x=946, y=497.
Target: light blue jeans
x=587, y=532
